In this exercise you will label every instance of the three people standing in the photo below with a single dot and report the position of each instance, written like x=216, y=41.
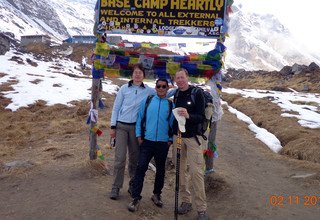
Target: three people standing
x=126, y=126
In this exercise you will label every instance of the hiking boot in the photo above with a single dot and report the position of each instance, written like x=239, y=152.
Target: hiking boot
x=202, y=216
x=207, y=172
x=157, y=200
x=184, y=208
x=114, y=194
x=134, y=205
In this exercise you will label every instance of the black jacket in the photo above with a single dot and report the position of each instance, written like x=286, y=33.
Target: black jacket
x=195, y=110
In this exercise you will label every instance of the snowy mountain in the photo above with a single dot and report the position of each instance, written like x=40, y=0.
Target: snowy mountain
x=262, y=42
x=57, y=18
x=256, y=41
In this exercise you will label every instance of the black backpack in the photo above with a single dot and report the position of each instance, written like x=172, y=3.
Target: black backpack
x=143, y=120
x=205, y=124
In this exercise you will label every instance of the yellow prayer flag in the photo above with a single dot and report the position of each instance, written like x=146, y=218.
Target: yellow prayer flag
x=146, y=45
x=172, y=67
x=98, y=65
x=112, y=73
x=102, y=49
x=204, y=67
x=133, y=60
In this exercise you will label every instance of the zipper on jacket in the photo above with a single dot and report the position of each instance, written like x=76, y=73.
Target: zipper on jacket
x=135, y=101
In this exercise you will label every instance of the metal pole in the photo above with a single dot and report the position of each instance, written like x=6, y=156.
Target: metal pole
x=176, y=200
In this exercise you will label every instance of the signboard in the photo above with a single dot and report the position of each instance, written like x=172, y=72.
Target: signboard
x=183, y=18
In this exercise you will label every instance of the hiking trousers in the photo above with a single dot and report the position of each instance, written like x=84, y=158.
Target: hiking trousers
x=149, y=149
x=125, y=141
x=192, y=154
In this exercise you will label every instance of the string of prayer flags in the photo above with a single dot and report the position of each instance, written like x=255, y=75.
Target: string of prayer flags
x=101, y=104
x=93, y=116
x=96, y=130
x=99, y=153
x=118, y=63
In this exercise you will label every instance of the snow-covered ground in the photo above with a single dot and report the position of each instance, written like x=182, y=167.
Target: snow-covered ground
x=45, y=82
x=289, y=102
x=49, y=82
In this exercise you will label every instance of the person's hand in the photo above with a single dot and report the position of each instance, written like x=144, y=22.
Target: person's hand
x=113, y=133
x=169, y=143
x=140, y=140
x=183, y=112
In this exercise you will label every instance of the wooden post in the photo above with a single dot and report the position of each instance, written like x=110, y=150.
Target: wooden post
x=95, y=96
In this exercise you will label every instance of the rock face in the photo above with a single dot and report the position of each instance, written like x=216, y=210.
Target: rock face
x=33, y=14
x=57, y=18
x=286, y=72
x=4, y=43
x=313, y=67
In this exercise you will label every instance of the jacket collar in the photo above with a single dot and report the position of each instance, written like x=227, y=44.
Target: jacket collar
x=130, y=83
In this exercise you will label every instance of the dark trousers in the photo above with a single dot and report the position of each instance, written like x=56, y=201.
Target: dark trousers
x=149, y=149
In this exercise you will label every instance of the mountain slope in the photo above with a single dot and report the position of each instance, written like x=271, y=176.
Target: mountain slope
x=256, y=42
x=262, y=42
x=37, y=14
x=57, y=18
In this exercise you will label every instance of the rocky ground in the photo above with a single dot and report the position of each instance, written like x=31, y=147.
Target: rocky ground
x=45, y=170
x=53, y=179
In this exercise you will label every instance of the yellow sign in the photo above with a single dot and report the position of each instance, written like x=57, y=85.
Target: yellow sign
x=185, y=18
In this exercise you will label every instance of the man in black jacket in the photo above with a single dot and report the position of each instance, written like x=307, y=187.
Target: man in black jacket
x=191, y=150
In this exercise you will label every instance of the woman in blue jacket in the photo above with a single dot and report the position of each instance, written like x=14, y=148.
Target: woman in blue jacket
x=123, y=123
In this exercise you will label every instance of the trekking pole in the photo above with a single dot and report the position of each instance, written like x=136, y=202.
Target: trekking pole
x=176, y=199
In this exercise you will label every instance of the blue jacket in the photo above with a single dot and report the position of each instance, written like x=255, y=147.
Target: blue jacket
x=127, y=103
x=157, y=122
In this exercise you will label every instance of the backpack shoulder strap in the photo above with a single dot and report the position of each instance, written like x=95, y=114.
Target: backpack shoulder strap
x=146, y=106
x=176, y=96
x=170, y=108
x=143, y=120
x=194, y=91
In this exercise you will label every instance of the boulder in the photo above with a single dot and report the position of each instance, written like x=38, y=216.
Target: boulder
x=286, y=70
x=306, y=88
x=313, y=67
x=4, y=44
x=297, y=69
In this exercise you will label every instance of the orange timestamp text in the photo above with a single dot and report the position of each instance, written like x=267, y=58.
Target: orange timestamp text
x=306, y=200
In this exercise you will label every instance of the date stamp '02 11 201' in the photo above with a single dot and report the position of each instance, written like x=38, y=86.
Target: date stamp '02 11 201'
x=282, y=201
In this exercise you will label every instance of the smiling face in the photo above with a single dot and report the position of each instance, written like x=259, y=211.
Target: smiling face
x=137, y=75
x=162, y=88
x=181, y=79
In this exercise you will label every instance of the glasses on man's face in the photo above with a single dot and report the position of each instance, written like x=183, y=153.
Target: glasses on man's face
x=161, y=86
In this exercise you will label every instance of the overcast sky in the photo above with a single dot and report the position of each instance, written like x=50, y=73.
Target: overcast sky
x=301, y=17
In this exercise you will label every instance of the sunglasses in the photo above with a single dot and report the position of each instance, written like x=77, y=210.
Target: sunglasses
x=161, y=86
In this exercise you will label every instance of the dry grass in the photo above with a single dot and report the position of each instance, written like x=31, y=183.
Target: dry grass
x=7, y=86
x=35, y=124
x=275, y=81
x=298, y=142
